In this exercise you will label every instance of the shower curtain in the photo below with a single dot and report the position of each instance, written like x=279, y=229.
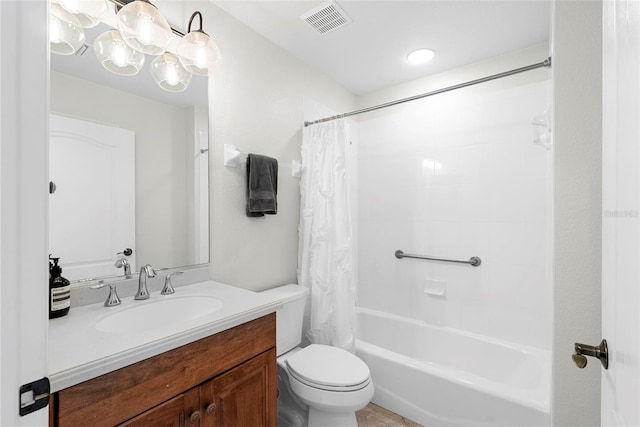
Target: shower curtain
x=326, y=247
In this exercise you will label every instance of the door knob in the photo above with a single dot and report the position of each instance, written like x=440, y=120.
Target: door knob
x=579, y=359
x=600, y=352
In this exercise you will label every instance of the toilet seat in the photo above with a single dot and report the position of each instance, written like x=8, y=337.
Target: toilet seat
x=328, y=368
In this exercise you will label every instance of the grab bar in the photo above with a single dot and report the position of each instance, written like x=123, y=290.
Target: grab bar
x=474, y=260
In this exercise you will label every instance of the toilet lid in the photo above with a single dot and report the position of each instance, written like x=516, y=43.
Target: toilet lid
x=327, y=367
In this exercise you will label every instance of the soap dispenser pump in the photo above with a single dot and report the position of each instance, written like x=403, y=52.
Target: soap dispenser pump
x=59, y=290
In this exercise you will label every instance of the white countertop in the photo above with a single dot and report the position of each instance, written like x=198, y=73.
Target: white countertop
x=78, y=351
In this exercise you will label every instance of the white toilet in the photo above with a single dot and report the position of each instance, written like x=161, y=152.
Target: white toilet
x=319, y=385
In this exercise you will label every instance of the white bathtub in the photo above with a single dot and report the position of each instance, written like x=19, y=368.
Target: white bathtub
x=440, y=376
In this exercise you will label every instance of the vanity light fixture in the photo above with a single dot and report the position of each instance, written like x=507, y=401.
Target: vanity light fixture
x=66, y=35
x=420, y=56
x=143, y=27
x=117, y=56
x=197, y=52
x=169, y=73
x=89, y=13
x=141, y=30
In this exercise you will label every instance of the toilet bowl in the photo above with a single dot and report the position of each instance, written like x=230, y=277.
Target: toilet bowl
x=324, y=385
x=332, y=382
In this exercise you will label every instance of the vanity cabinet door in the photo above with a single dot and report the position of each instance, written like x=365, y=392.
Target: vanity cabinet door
x=245, y=396
x=167, y=414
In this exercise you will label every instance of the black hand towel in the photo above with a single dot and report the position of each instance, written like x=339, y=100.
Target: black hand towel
x=262, y=185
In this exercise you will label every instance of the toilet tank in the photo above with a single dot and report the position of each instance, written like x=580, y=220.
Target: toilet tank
x=288, y=317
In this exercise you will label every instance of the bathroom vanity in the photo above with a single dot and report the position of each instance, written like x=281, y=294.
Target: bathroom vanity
x=225, y=374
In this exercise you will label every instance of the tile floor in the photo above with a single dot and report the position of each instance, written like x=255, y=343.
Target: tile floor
x=376, y=416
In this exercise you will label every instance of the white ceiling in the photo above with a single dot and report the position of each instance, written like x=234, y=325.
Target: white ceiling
x=369, y=53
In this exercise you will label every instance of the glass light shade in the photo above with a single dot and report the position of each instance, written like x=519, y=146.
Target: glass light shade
x=144, y=28
x=198, y=53
x=169, y=73
x=89, y=13
x=116, y=56
x=65, y=33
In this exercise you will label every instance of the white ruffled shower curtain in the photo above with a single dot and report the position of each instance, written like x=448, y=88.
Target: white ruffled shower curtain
x=326, y=248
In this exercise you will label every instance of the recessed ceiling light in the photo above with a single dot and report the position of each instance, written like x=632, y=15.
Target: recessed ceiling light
x=420, y=56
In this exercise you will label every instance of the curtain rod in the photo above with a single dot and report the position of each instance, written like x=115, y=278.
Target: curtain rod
x=545, y=63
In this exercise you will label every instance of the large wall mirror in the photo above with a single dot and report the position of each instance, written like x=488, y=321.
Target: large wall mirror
x=129, y=169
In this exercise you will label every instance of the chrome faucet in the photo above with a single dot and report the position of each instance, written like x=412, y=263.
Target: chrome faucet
x=122, y=262
x=143, y=292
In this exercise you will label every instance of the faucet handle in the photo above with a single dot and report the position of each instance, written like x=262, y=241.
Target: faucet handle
x=168, y=287
x=113, y=299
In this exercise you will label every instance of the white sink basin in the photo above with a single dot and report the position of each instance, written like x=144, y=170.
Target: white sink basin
x=158, y=313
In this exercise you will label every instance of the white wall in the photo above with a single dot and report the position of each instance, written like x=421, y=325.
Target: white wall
x=457, y=175
x=164, y=237
x=577, y=79
x=256, y=104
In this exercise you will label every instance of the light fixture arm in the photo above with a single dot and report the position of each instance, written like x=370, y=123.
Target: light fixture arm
x=191, y=21
x=197, y=52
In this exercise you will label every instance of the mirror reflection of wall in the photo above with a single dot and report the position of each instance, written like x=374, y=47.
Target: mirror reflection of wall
x=170, y=138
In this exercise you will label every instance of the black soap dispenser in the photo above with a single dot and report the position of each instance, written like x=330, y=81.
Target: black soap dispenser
x=59, y=291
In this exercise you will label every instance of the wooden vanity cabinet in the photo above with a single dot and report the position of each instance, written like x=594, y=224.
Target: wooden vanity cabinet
x=237, y=397
x=167, y=414
x=227, y=379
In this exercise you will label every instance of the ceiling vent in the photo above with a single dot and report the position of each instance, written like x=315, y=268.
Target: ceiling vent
x=326, y=18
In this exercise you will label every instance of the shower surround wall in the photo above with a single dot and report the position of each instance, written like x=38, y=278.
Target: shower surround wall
x=457, y=175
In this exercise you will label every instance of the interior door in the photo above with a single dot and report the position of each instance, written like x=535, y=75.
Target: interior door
x=620, y=225
x=92, y=211
x=23, y=206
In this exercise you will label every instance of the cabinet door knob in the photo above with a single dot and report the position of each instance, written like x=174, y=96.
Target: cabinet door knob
x=211, y=408
x=194, y=418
